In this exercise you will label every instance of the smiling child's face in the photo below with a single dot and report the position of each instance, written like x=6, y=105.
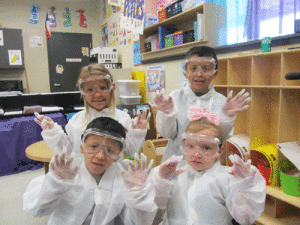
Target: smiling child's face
x=197, y=161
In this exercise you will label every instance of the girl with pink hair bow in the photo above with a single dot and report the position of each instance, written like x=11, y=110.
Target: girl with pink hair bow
x=198, y=189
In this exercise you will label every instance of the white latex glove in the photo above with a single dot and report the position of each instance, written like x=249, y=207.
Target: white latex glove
x=162, y=104
x=64, y=168
x=137, y=175
x=45, y=122
x=240, y=168
x=237, y=104
x=141, y=120
x=168, y=170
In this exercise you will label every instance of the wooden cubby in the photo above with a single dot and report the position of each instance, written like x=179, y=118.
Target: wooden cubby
x=273, y=115
x=214, y=29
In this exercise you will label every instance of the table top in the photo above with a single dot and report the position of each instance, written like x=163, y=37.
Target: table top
x=39, y=151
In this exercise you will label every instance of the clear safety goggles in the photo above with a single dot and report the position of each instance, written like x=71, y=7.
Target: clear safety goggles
x=90, y=86
x=207, y=67
x=192, y=144
x=111, y=143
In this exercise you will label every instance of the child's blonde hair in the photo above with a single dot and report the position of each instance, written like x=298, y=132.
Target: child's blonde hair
x=91, y=70
x=203, y=123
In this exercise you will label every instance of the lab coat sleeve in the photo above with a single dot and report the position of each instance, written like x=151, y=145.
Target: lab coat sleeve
x=43, y=194
x=166, y=124
x=56, y=139
x=135, y=139
x=227, y=126
x=162, y=187
x=140, y=206
x=246, y=198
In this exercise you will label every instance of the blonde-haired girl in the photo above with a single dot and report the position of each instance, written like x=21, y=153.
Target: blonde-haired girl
x=97, y=89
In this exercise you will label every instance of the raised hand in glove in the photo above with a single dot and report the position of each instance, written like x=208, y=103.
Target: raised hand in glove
x=45, y=122
x=162, y=104
x=237, y=104
x=137, y=175
x=168, y=170
x=240, y=168
x=62, y=167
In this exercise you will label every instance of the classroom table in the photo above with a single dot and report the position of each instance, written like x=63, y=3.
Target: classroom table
x=16, y=134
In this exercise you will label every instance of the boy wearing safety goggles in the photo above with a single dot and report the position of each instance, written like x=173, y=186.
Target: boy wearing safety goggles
x=97, y=89
x=200, y=68
x=93, y=191
x=199, y=190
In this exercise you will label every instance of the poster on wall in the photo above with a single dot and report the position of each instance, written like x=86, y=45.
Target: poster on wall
x=35, y=41
x=132, y=15
x=15, y=57
x=156, y=78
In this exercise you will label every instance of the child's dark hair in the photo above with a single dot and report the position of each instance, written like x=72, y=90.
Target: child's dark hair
x=202, y=51
x=108, y=124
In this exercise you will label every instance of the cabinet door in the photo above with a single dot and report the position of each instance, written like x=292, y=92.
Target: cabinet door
x=11, y=44
x=67, y=55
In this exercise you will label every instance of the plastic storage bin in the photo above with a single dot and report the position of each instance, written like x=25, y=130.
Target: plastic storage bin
x=289, y=183
x=162, y=15
x=169, y=42
x=174, y=9
x=130, y=100
x=178, y=38
x=129, y=87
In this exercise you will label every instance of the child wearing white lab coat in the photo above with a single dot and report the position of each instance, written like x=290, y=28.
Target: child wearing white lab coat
x=93, y=191
x=200, y=68
x=199, y=190
x=97, y=89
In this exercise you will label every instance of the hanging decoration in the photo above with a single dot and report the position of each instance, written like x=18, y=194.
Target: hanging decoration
x=67, y=16
x=34, y=9
x=47, y=26
x=52, y=16
x=82, y=22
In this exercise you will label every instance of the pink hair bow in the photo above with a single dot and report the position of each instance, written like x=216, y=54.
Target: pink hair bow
x=196, y=113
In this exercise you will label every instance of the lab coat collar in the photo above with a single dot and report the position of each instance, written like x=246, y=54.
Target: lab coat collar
x=193, y=172
x=106, y=181
x=191, y=96
x=94, y=113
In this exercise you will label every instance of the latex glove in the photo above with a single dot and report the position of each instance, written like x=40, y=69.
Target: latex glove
x=141, y=120
x=240, y=168
x=162, y=104
x=168, y=170
x=237, y=104
x=64, y=168
x=137, y=175
x=45, y=122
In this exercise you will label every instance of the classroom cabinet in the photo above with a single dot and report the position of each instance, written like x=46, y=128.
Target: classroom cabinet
x=273, y=115
x=214, y=29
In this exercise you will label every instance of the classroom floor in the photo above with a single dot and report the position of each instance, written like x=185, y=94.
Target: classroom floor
x=12, y=188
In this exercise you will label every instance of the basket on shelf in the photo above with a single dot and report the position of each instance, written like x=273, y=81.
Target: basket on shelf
x=188, y=36
x=169, y=42
x=174, y=9
x=162, y=15
x=289, y=178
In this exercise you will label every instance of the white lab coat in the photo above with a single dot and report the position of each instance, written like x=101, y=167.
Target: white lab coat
x=210, y=197
x=56, y=139
x=70, y=202
x=173, y=125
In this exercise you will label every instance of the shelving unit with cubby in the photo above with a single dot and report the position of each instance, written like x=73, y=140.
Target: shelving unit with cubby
x=214, y=28
x=273, y=115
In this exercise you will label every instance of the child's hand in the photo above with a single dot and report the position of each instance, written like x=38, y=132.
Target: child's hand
x=237, y=104
x=162, y=104
x=141, y=120
x=168, y=169
x=64, y=168
x=45, y=122
x=240, y=168
x=138, y=173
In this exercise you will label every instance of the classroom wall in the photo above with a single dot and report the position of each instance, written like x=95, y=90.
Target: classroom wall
x=173, y=68
x=16, y=14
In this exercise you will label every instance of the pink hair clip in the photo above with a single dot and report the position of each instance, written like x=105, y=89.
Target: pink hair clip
x=196, y=113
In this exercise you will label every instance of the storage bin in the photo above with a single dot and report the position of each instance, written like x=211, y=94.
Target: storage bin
x=289, y=183
x=130, y=100
x=148, y=47
x=162, y=15
x=174, y=9
x=178, y=38
x=169, y=42
x=129, y=87
x=188, y=36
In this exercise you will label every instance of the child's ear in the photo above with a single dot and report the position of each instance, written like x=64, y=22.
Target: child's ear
x=81, y=149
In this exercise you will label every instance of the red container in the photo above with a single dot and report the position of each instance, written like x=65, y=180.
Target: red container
x=162, y=15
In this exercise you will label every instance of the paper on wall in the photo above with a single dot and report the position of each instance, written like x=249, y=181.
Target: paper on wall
x=15, y=57
x=1, y=38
